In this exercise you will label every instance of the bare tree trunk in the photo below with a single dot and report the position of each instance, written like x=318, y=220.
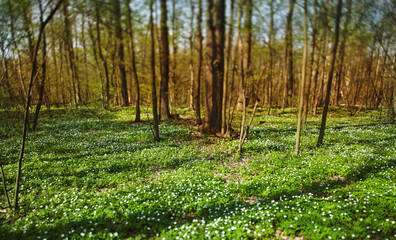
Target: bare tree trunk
x=164, y=58
x=271, y=56
x=303, y=80
x=191, y=41
x=102, y=57
x=311, y=64
x=342, y=51
x=70, y=55
x=288, y=60
x=120, y=52
x=153, y=84
x=197, y=91
x=44, y=73
x=133, y=61
x=226, y=70
x=333, y=58
x=25, y=126
x=214, y=73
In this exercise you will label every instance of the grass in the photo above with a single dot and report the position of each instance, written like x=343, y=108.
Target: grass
x=95, y=174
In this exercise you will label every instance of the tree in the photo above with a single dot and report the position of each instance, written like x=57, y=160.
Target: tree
x=214, y=72
x=133, y=60
x=164, y=58
x=302, y=81
x=120, y=51
x=330, y=78
x=288, y=59
x=197, y=89
x=153, y=84
x=28, y=100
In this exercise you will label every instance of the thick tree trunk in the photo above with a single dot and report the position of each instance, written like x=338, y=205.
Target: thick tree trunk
x=332, y=62
x=214, y=72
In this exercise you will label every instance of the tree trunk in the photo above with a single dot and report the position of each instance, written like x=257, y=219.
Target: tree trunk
x=44, y=74
x=288, y=60
x=311, y=64
x=164, y=58
x=153, y=84
x=102, y=57
x=197, y=90
x=25, y=125
x=133, y=61
x=214, y=65
x=120, y=52
x=226, y=70
x=302, y=81
x=333, y=58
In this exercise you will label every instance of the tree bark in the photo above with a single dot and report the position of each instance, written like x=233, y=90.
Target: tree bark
x=288, y=60
x=25, y=125
x=153, y=84
x=302, y=82
x=164, y=58
x=133, y=62
x=214, y=72
x=333, y=58
x=120, y=52
x=197, y=90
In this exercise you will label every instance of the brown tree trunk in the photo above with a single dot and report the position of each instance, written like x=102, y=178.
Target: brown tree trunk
x=44, y=73
x=214, y=72
x=153, y=82
x=133, y=61
x=302, y=82
x=226, y=70
x=28, y=100
x=191, y=41
x=197, y=90
x=288, y=60
x=333, y=58
x=311, y=64
x=102, y=57
x=164, y=58
x=120, y=52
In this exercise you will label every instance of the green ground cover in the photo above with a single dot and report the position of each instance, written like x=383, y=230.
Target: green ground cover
x=94, y=174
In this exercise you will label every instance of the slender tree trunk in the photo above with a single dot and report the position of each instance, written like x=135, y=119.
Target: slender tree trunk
x=333, y=58
x=174, y=90
x=303, y=80
x=197, y=90
x=25, y=126
x=133, y=61
x=342, y=51
x=288, y=60
x=226, y=70
x=164, y=58
x=191, y=41
x=102, y=57
x=271, y=56
x=311, y=64
x=44, y=73
x=120, y=52
x=214, y=73
x=153, y=84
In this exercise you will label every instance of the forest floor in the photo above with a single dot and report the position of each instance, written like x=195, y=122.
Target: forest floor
x=95, y=174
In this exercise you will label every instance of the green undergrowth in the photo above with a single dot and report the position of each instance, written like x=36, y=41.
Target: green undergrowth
x=94, y=174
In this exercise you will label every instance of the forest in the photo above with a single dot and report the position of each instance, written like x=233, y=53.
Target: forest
x=197, y=119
